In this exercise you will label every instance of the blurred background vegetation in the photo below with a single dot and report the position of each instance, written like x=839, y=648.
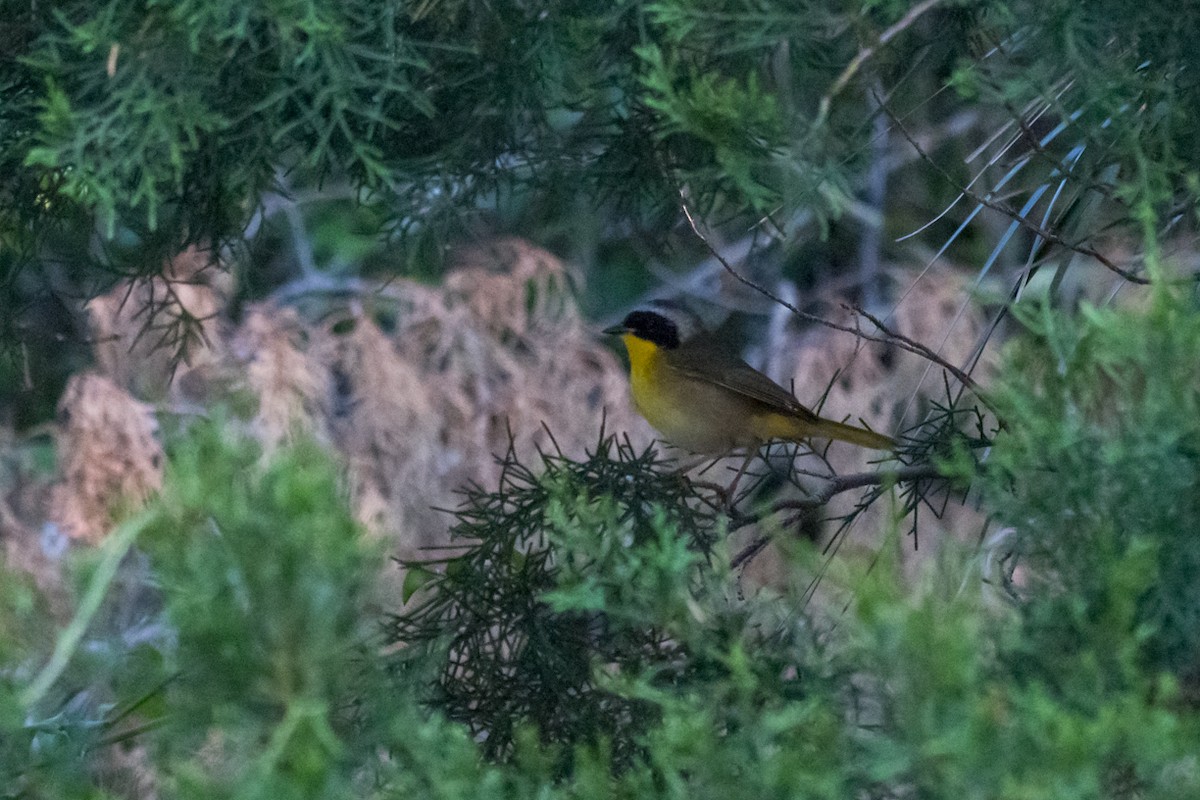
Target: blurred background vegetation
x=280, y=280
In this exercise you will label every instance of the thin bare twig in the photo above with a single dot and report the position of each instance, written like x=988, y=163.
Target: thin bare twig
x=1035, y=144
x=913, y=346
x=834, y=485
x=748, y=553
x=1028, y=224
x=889, y=337
x=870, y=248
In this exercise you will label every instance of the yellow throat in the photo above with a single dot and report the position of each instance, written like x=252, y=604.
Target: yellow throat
x=643, y=358
x=680, y=409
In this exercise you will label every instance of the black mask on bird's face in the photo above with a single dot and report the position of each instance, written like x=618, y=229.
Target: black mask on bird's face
x=665, y=323
x=653, y=327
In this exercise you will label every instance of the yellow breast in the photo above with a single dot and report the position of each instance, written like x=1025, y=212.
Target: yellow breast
x=691, y=414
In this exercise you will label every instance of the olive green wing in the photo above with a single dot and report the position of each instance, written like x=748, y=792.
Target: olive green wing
x=715, y=366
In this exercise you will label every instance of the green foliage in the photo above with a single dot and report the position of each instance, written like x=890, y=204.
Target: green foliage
x=943, y=691
x=1112, y=75
x=591, y=618
x=590, y=640
x=726, y=128
x=959, y=717
x=263, y=572
x=158, y=124
x=176, y=118
x=131, y=129
x=1096, y=474
x=166, y=123
x=40, y=754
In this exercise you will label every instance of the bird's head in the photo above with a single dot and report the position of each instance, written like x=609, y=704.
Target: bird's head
x=663, y=323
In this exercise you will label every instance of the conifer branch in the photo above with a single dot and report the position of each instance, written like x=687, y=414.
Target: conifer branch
x=867, y=52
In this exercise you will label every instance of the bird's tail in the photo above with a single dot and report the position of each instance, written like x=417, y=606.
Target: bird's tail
x=801, y=427
x=828, y=429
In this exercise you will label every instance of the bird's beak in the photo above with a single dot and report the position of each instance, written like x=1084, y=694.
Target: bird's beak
x=615, y=330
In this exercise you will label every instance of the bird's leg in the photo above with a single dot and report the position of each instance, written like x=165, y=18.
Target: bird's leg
x=724, y=493
x=727, y=494
x=731, y=492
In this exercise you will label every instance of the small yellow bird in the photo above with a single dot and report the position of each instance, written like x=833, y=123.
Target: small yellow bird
x=706, y=400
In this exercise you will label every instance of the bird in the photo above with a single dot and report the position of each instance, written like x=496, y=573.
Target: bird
x=704, y=399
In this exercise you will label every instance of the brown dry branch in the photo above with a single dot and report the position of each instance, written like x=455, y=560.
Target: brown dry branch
x=415, y=411
x=108, y=453
x=283, y=365
x=505, y=351
x=912, y=345
x=833, y=485
x=387, y=426
x=498, y=350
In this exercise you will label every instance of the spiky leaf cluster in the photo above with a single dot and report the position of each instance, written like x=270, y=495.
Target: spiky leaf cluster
x=575, y=566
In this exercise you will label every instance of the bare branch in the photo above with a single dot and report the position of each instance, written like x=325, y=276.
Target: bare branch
x=889, y=337
x=916, y=347
x=834, y=485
